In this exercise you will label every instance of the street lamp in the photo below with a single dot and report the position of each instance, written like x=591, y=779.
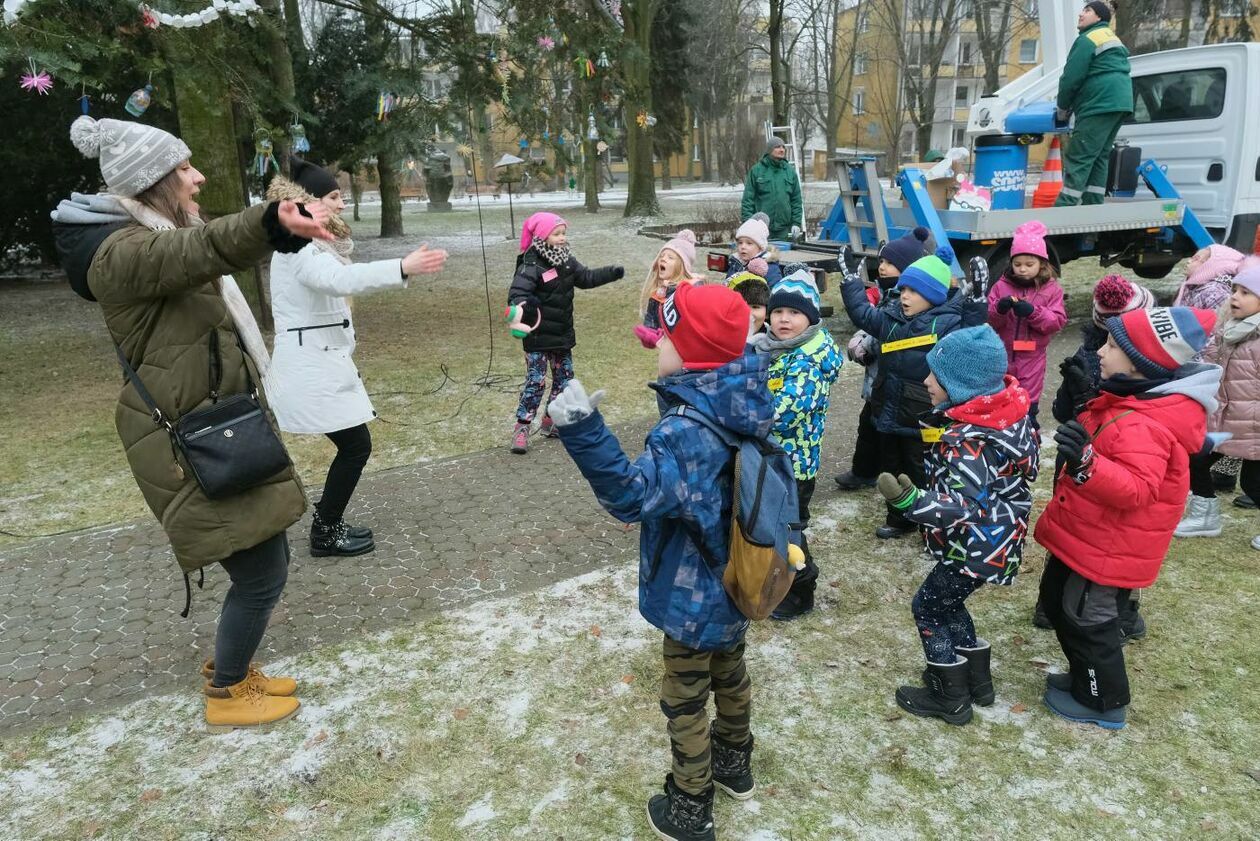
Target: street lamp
x=504, y=162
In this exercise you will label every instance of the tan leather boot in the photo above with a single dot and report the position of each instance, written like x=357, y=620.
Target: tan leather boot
x=281, y=687
x=244, y=705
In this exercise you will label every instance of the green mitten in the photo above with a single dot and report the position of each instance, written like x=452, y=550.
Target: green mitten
x=900, y=492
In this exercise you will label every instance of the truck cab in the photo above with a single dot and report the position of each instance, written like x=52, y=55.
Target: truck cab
x=1194, y=114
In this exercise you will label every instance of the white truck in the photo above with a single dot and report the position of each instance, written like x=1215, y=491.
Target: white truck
x=1198, y=179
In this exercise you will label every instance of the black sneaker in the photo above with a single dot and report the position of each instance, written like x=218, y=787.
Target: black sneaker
x=679, y=816
x=1244, y=501
x=850, y=481
x=887, y=532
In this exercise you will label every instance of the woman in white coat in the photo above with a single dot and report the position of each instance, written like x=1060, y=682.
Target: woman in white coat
x=314, y=385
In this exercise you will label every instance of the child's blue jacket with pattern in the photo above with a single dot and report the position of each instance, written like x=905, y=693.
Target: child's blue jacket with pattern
x=679, y=486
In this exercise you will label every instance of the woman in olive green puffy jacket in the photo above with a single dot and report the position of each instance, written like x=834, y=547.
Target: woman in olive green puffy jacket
x=161, y=278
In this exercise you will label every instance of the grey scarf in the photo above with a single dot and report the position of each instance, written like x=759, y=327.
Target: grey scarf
x=1238, y=330
x=767, y=343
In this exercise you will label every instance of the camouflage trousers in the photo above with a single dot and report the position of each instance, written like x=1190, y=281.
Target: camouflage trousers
x=689, y=674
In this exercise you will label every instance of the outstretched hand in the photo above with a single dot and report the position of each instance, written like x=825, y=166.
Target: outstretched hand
x=573, y=404
x=304, y=220
x=424, y=260
x=900, y=492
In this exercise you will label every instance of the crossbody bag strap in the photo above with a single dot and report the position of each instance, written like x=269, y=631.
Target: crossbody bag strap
x=138, y=384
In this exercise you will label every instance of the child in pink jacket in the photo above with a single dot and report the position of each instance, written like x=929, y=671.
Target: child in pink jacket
x=1026, y=309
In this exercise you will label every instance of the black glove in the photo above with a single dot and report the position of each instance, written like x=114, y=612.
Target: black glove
x=530, y=307
x=1023, y=309
x=618, y=272
x=1004, y=305
x=1075, y=447
x=278, y=236
x=1076, y=382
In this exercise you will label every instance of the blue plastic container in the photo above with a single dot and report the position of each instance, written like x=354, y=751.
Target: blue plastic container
x=1037, y=118
x=1002, y=166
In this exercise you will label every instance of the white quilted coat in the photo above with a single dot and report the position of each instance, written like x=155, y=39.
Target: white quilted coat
x=314, y=386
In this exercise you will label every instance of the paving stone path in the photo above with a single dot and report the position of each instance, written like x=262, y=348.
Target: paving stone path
x=91, y=620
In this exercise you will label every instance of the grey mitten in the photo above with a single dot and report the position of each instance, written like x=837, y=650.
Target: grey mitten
x=573, y=404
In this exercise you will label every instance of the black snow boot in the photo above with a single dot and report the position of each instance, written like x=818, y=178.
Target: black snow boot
x=800, y=598
x=679, y=816
x=946, y=696
x=979, y=678
x=1040, y=619
x=335, y=539
x=732, y=771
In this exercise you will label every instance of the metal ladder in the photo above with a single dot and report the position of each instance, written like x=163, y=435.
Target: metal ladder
x=867, y=229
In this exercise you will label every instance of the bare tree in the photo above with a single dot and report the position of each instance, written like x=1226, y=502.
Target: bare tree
x=921, y=32
x=723, y=34
x=825, y=56
x=997, y=23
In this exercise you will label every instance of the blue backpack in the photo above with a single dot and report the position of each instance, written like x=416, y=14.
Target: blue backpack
x=764, y=554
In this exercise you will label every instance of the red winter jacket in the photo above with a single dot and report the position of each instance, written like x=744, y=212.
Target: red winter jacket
x=1115, y=528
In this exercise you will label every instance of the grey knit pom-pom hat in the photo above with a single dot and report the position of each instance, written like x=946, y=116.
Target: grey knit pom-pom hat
x=133, y=156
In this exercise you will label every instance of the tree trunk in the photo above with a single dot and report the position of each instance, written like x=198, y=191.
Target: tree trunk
x=356, y=190
x=637, y=66
x=778, y=82
x=293, y=33
x=590, y=166
x=279, y=69
x=706, y=150
x=391, y=201
x=667, y=179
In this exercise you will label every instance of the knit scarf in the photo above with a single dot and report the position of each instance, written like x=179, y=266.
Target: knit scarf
x=767, y=343
x=1238, y=330
x=235, y=302
x=1122, y=386
x=556, y=255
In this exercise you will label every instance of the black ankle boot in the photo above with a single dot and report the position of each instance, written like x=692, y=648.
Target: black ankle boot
x=946, y=696
x=335, y=539
x=679, y=816
x=979, y=678
x=362, y=532
x=732, y=769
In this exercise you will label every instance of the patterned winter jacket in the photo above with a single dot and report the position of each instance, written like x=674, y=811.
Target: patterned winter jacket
x=979, y=496
x=800, y=381
x=680, y=485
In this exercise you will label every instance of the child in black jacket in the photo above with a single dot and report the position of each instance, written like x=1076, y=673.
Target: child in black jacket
x=546, y=275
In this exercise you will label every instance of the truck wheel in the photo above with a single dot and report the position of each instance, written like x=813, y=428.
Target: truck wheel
x=1153, y=272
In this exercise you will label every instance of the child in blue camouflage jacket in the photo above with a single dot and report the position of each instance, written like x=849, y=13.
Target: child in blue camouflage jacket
x=805, y=361
x=974, y=511
x=680, y=489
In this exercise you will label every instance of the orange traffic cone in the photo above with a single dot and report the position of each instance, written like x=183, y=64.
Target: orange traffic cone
x=1051, y=176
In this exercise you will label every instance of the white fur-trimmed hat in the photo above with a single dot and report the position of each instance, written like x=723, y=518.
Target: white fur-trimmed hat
x=133, y=156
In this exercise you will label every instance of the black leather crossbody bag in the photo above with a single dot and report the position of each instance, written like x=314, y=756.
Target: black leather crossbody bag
x=230, y=445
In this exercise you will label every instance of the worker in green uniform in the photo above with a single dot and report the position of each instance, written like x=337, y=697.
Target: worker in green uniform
x=1095, y=86
x=772, y=188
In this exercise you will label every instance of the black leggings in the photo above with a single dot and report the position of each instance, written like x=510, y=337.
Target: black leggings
x=1201, y=483
x=354, y=446
x=258, y=577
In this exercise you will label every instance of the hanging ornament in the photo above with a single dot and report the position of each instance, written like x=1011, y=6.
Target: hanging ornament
x=592, y=133
x=465, y=151
x=585, y=67
x=504, y=93
x=36, y=80
x=84, y=102
x=492, y=56
x=297, y=138
x=264, y=156
x=641, y=119
x=546, y=43
x=560, y=139
x=602, y=62
x=524, y=144
x=139, y=101
x=564, y=40
x=384, y=105
x=546, y=135
x=149, y=18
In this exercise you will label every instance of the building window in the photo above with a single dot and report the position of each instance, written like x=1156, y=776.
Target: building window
x=966, y=53
x=859, y=65
x=1028, y=51
x=859, y=102
x=1197, y=94
x=695, y=152
x=1233, y=8
x=962, y=96
x=960, y=137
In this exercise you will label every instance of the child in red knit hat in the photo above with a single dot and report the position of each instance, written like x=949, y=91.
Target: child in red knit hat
x=680, y=489
x=1119, y=495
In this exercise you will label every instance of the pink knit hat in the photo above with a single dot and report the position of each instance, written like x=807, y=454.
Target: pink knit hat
x=1221, y=259
x=1248, y=276
x=684, y=245
x=1030, y=238
x=539, y=225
